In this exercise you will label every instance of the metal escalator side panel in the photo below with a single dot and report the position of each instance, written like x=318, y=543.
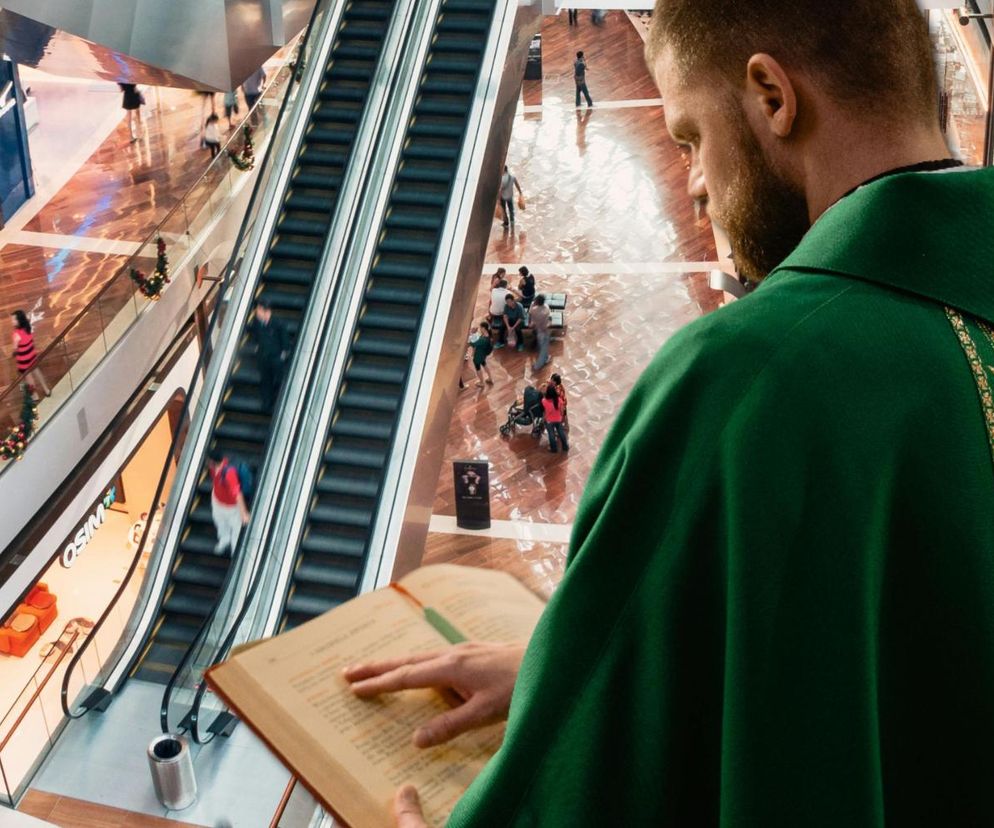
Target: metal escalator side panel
x=357, y=449
x=187, y=501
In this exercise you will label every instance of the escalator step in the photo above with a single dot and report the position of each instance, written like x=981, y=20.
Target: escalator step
x=198, y=543
x=162, y=654
x=425, y=127
x=311, y=606
x=347, y=456
x=433, y=106
x=175, y=630
x=430, y=175
x=242, y=432
x=205, y=576
x=242, y=402
x=393, y=269
x=419, y=199
x=396, y=295
x=288, y=274
x=360, y=518
x=364, y=372
x=339, y=92
x=318, y=156
x=323, y=544
x=389, y=320
x=326, y=576
x=296, y=250
x=189, y=602
x=408, y=246
x=455, y=66
x=353, y=51
x=352, y=486
x=432, y=152
x=409, y=220
x=380, y=346
x=303, y=226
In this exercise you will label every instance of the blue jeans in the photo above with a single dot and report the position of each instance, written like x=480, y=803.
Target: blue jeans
x=508, y=205
x=543, y=349
x=556, y=429
x=582, y=87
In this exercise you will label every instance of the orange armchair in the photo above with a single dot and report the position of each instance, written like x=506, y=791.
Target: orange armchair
x=42, y=604
x=19, y=634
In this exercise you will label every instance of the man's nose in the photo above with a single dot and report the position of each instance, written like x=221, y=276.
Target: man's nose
x=697, y=188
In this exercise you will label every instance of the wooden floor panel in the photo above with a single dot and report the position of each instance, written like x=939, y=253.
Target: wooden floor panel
x=75, y=813
x=606, y=186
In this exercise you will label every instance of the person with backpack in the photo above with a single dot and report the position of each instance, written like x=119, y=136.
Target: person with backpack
x=228, y=508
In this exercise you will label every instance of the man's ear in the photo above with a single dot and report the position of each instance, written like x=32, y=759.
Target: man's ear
x=770, y=92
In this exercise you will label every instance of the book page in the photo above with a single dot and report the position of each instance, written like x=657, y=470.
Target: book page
x=483, y=604
x=353, y=753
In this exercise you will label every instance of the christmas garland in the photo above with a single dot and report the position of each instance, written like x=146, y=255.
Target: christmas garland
x=151, y=286
x=12, y=446
x=244, y=160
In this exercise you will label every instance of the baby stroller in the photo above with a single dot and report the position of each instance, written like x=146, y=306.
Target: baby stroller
x=525, y=412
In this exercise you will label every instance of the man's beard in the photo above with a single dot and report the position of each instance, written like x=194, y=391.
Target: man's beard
x=763, y=214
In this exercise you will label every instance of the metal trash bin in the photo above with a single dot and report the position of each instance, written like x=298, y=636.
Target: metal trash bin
x=171, y=764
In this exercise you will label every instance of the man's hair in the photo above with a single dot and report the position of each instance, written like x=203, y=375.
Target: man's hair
x=216, y=456
x=874, y=56
x=523, y=270
x=263, y=303
x=580, y=55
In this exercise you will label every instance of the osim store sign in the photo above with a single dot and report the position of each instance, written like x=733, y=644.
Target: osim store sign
x=85, y=532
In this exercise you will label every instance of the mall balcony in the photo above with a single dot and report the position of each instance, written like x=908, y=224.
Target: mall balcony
x=364, y=215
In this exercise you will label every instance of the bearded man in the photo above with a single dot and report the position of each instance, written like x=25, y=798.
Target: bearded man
x=779, y=603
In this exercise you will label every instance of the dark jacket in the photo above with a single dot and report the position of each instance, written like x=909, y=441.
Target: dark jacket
x=271, y=339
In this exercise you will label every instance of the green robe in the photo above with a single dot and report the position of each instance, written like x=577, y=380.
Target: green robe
x=779, y=603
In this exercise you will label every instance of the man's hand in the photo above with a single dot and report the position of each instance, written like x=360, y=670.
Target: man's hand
x=407, y=808
x=481, y=675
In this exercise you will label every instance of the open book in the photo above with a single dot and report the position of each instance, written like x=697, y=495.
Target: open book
x=351, y=753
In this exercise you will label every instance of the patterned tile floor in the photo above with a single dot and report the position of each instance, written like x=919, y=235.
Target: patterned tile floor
x=606, y=187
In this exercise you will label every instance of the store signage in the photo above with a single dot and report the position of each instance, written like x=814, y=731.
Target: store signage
x=85, y=532
x=472, y=486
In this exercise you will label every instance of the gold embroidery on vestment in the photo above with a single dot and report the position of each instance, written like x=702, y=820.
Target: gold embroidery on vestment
x=977, y=367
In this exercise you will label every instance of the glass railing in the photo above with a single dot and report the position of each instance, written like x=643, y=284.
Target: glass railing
x=78, y=697
x=32, y=717
x=81, y=346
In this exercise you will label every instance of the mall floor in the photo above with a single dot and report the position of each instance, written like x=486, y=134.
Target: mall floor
x=609, y=223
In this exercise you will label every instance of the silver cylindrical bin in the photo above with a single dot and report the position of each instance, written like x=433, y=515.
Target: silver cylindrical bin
x=172, y=771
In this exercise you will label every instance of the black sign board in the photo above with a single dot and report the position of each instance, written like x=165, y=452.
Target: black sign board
x=472, y=479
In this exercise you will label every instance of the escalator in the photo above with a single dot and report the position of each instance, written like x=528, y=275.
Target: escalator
x=241, y=427
x=357, y=448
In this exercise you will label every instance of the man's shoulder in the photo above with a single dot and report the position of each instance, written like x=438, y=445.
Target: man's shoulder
x=787, y=336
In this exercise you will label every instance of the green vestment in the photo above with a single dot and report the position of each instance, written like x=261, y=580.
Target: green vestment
x=779, y=603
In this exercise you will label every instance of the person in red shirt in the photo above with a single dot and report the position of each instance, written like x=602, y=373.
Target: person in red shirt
x=26, y=357
x=553, y=408
x=228, y=507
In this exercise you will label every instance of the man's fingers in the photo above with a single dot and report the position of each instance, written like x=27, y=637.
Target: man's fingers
x=436, y=672
x=407, y=808
x=475, y=713
x=358, y=672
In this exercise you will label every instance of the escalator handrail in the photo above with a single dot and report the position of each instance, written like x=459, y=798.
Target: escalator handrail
x=271, y=609
x=296, y=75
x=399, y=32
x=198, y=371
x=237, y=556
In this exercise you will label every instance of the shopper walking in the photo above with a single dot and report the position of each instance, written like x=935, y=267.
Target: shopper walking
x=212, y=134
x=482, y=348
x=526, y=287
x=253, y=86
x=538, y=319
x=580, y=79
x=26, y=357
x=574, y=16
x=552, y=411
x=131, y=101
x=557, y=381
x=508, y=183
x=231, y=106
x=272, y=349
x=228, y=508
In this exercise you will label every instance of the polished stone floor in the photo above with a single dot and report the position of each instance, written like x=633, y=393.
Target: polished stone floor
x=608, y=222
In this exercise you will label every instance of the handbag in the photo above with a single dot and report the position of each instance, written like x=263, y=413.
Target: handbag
x=512, y=339
x=521, y=202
